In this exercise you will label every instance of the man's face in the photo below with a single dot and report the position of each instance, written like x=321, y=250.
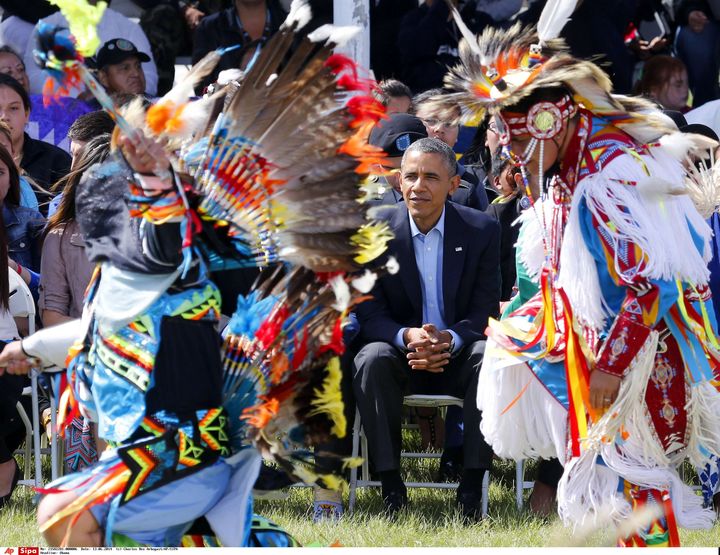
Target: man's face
x=127, y=77
x=426, y=182
x=492, y=137
x=398, y=105
x=443, y=131
x=550, y=156
x=13, y=66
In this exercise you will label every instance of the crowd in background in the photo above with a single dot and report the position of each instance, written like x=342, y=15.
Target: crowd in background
x=666, y=51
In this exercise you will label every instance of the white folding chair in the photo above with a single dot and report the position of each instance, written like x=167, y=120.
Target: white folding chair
x=22, y=305
x=360, y=449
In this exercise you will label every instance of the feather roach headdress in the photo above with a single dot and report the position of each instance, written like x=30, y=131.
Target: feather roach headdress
x=499, y=68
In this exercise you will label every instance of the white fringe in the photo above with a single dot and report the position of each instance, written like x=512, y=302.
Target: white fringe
x=659, y=224
x=688, y=507
x=703, y=411
x=536, y=426
x=629, y=410
x=578, y=275
x=529, y=245
x=588, y=494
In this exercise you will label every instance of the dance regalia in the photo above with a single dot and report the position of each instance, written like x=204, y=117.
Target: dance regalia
x=272, y=181
x=617, y=259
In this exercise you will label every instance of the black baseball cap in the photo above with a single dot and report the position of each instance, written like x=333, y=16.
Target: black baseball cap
x=116, y=51
x=396, y=134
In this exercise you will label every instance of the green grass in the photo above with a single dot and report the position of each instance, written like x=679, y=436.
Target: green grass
x=430, y=520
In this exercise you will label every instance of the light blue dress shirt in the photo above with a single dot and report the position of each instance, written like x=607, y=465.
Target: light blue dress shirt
x=429, y=259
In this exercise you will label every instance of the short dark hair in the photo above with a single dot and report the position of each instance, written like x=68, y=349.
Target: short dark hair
x=14, y=84
x=435, y=146
x=498, y=162
x=91, y=125
x=391, y=88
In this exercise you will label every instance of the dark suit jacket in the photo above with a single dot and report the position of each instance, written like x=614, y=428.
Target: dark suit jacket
x=471, y=277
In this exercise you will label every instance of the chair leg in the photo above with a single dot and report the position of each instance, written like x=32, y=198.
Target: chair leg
x=54, y=455
x=36, y=428
x=519, y=482
x=354, y=469
x=28, y=440
x=485, y=493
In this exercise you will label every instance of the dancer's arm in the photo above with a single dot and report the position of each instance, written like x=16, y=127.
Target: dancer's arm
x=45, y=348
x=645, y=303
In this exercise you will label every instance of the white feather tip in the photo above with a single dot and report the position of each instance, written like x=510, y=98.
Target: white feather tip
x=553, y=18
x=300, y=15
x=334, y=34
x=365, y=282
x=342, y=293
x=392, y=266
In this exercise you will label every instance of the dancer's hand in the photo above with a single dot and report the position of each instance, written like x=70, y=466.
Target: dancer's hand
x=13, y=359
x=603, y=389
x=145, y=155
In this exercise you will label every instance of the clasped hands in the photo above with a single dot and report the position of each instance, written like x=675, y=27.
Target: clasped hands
x=429, y=348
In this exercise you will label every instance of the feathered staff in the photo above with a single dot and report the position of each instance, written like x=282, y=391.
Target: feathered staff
x=57, y=53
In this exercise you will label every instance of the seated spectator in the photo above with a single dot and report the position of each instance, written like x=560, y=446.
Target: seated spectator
x=65, y=269
x=696, y=44
x=506, y=209
x=248, y=23
x=665, y=81
x=422, y=327
x=48, y=122
x=65, y=275
x=394, y=95
x=43, y=162
x=23, y=226
x=112, y=24
x=27, y=192
x=85, y=128
x=470, y=193
x=119, y=67
x=394, y=136
x=12, y=430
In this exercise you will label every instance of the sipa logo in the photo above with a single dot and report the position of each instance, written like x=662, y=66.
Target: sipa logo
x=28, y=551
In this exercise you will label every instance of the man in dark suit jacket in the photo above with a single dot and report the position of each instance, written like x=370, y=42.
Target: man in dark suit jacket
x=423, y=326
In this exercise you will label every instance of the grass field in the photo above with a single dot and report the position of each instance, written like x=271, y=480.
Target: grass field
x=430, y=520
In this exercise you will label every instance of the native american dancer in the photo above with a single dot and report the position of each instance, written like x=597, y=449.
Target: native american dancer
x=607, y=362
x=263, y=173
